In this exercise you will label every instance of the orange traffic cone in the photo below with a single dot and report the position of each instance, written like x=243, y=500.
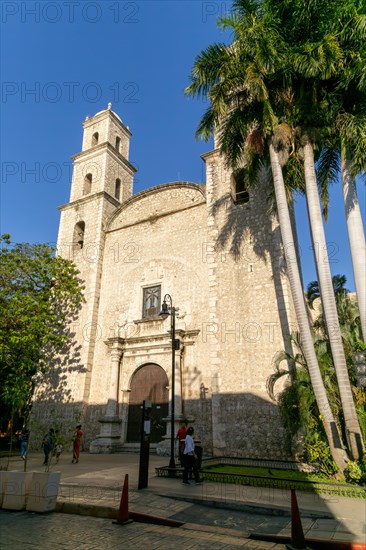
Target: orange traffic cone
x=123, y=515
x=297, y=533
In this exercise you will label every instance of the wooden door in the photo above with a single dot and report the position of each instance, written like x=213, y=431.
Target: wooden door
x=148, y=382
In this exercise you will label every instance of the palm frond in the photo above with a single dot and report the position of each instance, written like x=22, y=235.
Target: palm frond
x=206, y=125
x=327, y=169
x=322, y=59
x=294, y=175
x=207, y=70
x=352, y=128
x=312, y=293
x=248, y=7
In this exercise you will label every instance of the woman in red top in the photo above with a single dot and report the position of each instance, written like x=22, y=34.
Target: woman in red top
x=78, y=434
x=181, y=436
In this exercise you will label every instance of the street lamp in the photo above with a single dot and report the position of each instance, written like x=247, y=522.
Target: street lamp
x=165, y=311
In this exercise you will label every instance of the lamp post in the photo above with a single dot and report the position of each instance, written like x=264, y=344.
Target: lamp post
x=165, y=311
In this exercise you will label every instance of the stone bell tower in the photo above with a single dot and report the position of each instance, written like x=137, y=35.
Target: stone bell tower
x=102, y=180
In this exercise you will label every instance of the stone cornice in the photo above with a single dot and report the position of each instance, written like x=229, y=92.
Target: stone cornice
x=209, y=154
x=152, y=219
x=89, y=198
x=99, y=116
x=161, y=340
x=169, y=185
x=115, y=342
x=100, y=148
x=153, y=190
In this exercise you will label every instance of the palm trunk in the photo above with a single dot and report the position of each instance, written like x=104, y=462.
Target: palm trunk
x=330, y=427
x=356, y=238
x=353, y=432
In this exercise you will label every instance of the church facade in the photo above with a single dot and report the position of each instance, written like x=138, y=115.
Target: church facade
x=213, y=252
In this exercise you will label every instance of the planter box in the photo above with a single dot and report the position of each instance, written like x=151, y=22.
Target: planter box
x=43, y=491
x=16, y=488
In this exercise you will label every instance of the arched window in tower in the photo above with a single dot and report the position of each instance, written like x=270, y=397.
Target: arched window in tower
x=78, y=239
x=87, y=184
x=117, y=189
x=95, y=139
x=118, y=143
x=239, y=190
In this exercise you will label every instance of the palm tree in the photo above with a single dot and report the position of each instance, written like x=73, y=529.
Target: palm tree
x=318, y=61
x=313, y=290
x=348, y=144
x=241, y=81
x=297, y=400
x=302, y=319
x=348, y=313
x=356, y=237
x=348, y=139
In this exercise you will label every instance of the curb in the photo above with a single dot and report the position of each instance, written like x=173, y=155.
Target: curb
x=107, y=512
x=82, y=509
x=157, y=520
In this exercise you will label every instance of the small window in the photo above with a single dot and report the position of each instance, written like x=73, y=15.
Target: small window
x=95, y=139
x=117, y=190
x=78, y=239
x=118, y=143
x=151, y=301
x=88, y=180
x=239, y=188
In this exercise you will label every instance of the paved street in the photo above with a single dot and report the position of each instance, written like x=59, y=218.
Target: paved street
x=23, y=530
x=216, y=515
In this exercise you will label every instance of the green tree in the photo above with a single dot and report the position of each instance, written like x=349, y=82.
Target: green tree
x=340, y=292
x=298, y=405
x=297, y=400
x=349, y=320
x=244, y=81
x=40, y=295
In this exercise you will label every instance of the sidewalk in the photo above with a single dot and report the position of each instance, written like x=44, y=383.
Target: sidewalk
x=94, y=486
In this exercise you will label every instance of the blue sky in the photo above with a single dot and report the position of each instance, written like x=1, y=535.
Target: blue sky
x=63, y=60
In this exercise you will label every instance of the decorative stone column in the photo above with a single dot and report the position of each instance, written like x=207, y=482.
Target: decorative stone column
x=109, y=438
x=178, y=387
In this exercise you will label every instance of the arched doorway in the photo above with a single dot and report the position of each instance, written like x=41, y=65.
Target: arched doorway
x=148, y=382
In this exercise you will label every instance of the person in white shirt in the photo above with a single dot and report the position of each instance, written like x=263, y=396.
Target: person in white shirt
x=190, y=458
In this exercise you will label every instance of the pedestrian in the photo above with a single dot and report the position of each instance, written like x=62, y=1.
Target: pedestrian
x=58, y=451
x=190, y=461
x=181, y=436
x=78, y=435
x=24, y=436
x=47, y=443
x=198, y=450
